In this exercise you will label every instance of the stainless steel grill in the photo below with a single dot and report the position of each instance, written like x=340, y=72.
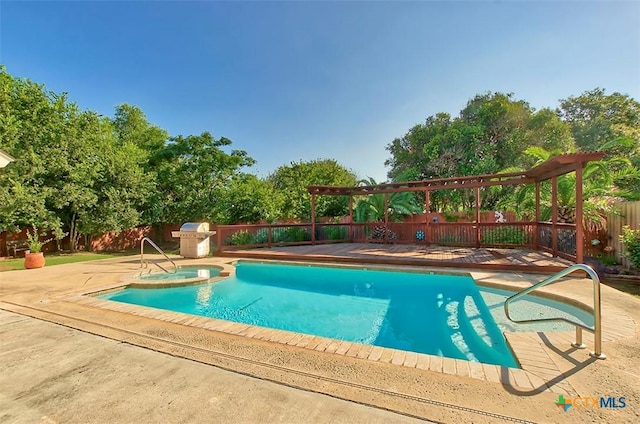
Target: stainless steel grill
x=194, y=239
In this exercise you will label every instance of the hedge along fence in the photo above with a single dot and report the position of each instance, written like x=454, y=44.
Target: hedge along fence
x=627, y=213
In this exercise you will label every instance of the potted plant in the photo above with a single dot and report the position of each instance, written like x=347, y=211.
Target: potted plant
x=34, y=258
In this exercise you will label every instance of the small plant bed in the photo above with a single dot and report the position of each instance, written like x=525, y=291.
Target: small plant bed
x=58, y=259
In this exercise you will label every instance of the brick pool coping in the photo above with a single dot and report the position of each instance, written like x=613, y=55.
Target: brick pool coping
x=540, y=370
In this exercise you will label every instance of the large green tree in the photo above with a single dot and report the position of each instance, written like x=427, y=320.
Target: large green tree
x=609, y=123
x=71, y=172
x=291, y=181
x=490, y=134
x=193, y=173
x=597, y=118
x=249, y=199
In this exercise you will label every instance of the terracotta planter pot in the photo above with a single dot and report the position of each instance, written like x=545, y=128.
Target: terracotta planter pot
x=33, y=260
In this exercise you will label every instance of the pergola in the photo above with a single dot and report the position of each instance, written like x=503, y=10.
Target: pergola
x=549, y=170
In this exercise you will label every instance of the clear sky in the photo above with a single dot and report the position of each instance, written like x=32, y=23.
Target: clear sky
x=291, y=81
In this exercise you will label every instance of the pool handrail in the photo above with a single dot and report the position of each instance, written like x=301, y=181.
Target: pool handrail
x=597, y=313
x=155, y=246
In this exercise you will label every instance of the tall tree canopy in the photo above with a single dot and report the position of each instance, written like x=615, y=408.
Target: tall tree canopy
x=249, y=199
x=596, y=119
x=292, y=182
x=193, y=174
x=490, y=134
x=70, y=172
x=609, y=123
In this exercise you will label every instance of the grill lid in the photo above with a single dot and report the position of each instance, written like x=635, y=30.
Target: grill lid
x=199, y=227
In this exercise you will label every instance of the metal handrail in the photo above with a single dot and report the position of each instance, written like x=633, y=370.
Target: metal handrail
x=597, y=315
x=155, y=246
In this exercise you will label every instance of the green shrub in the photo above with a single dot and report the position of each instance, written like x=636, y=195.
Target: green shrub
x=241, y=238
x=631, y=240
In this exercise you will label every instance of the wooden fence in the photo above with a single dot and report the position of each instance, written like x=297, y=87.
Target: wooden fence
x=558, y=239
x=627, y=213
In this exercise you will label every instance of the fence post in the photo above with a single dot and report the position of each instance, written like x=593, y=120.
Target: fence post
x=477, y=216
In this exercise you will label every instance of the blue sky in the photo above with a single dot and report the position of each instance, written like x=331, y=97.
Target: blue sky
x=291, y=81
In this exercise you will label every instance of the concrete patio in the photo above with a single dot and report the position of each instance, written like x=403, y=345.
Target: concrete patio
x=91, y=363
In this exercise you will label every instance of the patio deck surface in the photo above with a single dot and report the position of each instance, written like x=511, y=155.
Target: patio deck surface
x=53, y=374
x=406, y=254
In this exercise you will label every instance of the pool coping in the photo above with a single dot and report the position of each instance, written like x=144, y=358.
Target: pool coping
x=530, y=348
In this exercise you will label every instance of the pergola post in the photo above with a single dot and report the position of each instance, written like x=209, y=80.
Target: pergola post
x=554, y=216
x=427, y=211
x=386, y=218
x=351, y=229
x=477, y=208
x=579, y=212
x=536, y=234
x=313, y=218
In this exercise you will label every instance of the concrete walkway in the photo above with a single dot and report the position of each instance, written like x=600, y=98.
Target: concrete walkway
x=54, y=374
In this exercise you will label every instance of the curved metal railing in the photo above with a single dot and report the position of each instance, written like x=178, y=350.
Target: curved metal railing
x=597, y=315
x=155, y=246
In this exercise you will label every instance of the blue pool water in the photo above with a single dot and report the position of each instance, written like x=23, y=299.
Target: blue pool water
x=427, y=313
x=183, y=273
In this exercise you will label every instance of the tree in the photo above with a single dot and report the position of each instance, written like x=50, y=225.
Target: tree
x=71, y=172
x=490, y=134
x=193, y=173
x=29, y=117
x=250, y=200
x=131, y=126
x=609, y=123
x=596, y=119
x=292, y=181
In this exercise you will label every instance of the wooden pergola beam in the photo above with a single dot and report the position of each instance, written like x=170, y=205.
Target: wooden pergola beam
x=556, y=166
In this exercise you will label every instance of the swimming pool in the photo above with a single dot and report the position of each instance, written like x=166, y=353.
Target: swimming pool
x=437, y=314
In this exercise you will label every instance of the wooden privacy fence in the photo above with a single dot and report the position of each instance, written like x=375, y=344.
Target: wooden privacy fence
x=626, y=213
